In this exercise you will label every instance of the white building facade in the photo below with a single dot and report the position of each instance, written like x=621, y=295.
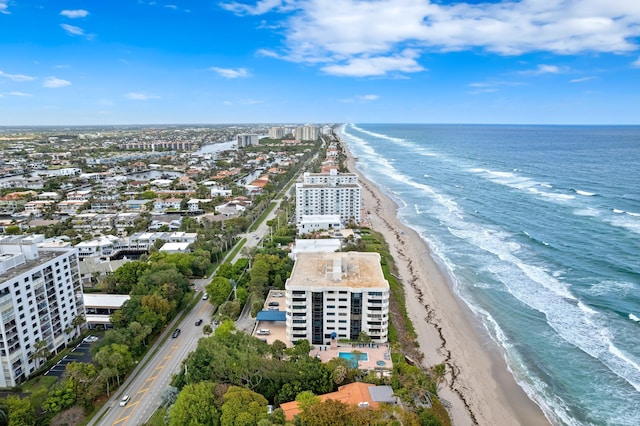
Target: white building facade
x=315, y=223
x=330, y=193
x=337, y=296
x=40, y=296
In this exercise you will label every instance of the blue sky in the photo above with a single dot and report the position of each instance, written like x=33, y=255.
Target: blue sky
x=160, y=62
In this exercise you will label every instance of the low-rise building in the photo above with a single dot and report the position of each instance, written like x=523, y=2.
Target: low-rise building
x=314, y=223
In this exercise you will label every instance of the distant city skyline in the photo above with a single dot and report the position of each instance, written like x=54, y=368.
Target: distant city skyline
x=316, y=61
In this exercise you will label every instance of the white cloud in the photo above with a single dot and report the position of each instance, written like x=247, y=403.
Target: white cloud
x=346, y=31
x=137, y=96
x=231, y=72
x=636, y=63
x=171, y=6
x=582, y=80
x=4, y=7
x=376, y=66
x=491, y=86
x=16, y=77
x=72, y=29
x=262, y=6
x=368, y=97
x=78, y=13
x=54, y=83
x=545, y=69
x=269, y=53
x=20, y=94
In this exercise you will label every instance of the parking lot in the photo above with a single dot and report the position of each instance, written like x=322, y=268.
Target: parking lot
x=81, y=353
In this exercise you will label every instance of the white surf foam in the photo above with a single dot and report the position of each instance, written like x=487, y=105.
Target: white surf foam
x=522, y=183
x=634, y=318
x=585, y=193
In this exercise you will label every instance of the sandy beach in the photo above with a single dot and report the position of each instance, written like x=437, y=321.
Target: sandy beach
x=479, y=386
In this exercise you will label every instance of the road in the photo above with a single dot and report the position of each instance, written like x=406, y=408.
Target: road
x=146, y=385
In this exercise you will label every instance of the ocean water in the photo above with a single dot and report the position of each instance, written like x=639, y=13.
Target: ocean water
x=538, y=228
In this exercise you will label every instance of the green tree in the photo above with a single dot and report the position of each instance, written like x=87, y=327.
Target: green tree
x=242, y=407
x=61, y=397
x=259, y=276
x=82, y=375
x=219, y=290
x=306, y=399
x=116, y=358
x=21, y=412
x=207, y=329
x=277, y=349
x=13, y=230
x=195, y=405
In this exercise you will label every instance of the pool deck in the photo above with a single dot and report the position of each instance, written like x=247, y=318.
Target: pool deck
x=374, y=353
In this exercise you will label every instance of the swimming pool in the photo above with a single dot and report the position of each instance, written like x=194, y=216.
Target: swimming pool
x=363, y=356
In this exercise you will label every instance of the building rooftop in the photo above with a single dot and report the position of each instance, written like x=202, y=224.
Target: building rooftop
x=101, y=300
x=356, y=393
x=340, y=269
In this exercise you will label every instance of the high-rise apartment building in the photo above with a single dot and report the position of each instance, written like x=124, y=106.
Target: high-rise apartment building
x=277, y=132
x=330, y=193
x=40, y=296
x=337, y=296
x=247, y=139
x=307, y=133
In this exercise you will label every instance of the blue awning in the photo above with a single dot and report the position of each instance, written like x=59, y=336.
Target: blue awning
x=271, y=316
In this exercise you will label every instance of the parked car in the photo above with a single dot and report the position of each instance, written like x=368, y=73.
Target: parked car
x=124, y=400
x=205, y=296
x=264, y=332
x=276, y=294
x=176, y=333
x=199, y=322
x=274, y=304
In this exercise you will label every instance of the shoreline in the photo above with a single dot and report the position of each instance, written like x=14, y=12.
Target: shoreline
x=479, y=386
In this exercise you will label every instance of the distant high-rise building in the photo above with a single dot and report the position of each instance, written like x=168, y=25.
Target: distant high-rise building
x=307, y=133
x=40, y=296
x=330, y=193
x=247, y=139
x=277, y=132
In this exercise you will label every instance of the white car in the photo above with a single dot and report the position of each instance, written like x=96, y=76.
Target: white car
x=263, y=332
x=124, y=400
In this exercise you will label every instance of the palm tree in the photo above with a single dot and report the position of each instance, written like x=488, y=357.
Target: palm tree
x=438, y=373
x=41, y=351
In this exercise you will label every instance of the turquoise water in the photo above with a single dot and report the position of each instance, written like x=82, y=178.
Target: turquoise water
x=538, y=228
x=351, y=358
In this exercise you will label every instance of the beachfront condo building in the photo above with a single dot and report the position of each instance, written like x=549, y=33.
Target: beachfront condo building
x=330, y=193
x=332, y=296
x=40, y=296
